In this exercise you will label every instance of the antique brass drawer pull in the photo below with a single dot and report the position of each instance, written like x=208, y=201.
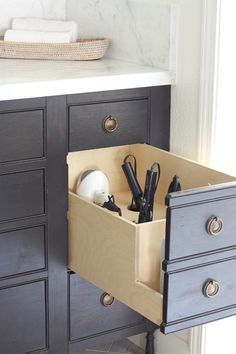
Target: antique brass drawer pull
x=107, y=300
x=109, y=124
x=211, y=288
x=214, y=226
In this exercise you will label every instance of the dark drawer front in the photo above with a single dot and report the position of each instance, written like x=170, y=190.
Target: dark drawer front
x=23, y=318
x=88, y=316
x=22, y=251
x=22, y=195
x=189, y=222
x=86, y=124
x=186, y=295
x=22, y=135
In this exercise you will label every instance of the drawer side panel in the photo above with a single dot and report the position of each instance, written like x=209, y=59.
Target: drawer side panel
x=103, y=250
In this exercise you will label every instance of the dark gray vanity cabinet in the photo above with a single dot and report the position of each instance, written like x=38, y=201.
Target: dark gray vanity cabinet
x=44, y=308
x=33, y=226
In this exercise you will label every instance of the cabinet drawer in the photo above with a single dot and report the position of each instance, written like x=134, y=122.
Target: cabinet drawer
x=22, y=135
x=23, y=318
x=22, y=194
x=190, y=222
x=87, y=130
x=22, y=251
x=88, y=316
x=124, y=258
x=191, y=300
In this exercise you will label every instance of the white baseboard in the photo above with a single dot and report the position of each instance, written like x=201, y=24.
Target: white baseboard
x=139, y=340
x=170, y=344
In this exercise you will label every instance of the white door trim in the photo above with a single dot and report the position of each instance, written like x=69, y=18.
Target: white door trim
x=197, y=340
x=208, y=83
x=207, y=115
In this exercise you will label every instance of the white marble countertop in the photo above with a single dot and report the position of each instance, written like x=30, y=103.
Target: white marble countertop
x=36, y=78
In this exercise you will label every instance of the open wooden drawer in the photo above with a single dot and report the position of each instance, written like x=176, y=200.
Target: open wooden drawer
x=124, y=258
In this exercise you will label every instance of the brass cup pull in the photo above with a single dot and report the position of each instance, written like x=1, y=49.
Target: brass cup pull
x=107, y=300
x=214, y=226
x=109, y=124
x=211, y=288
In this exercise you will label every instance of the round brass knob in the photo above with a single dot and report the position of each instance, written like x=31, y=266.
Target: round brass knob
x=211, y=288
x=107, y=300
x=109, y=124
x=214, y=226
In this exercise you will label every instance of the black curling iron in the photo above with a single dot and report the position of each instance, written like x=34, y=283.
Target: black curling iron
x=131, y=176
x=152, y=179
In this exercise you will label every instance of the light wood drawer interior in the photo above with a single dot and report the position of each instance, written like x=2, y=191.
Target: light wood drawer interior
x=112, y=252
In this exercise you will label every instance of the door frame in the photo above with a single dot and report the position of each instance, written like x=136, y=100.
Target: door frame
x=207, y=116
x=208, y=79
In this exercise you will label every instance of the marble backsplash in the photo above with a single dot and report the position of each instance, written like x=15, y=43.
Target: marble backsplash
x=142, y=31
x=30, y=8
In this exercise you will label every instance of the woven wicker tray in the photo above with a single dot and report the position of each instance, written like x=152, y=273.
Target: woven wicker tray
x=85, y=49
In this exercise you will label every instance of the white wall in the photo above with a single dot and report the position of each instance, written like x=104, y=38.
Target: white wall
x=225, y=125
x=185, y=95
x=30, y=8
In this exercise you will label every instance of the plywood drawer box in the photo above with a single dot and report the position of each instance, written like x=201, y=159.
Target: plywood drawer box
x=124, y=258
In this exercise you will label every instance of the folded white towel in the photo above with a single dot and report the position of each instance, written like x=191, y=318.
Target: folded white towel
x=37, y=37
x=37, y=24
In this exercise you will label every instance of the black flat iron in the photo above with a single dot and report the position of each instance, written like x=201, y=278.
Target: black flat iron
x=142, y=201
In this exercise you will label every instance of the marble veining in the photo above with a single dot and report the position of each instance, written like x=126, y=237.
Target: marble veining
x=141, y=31
x=50, y=9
